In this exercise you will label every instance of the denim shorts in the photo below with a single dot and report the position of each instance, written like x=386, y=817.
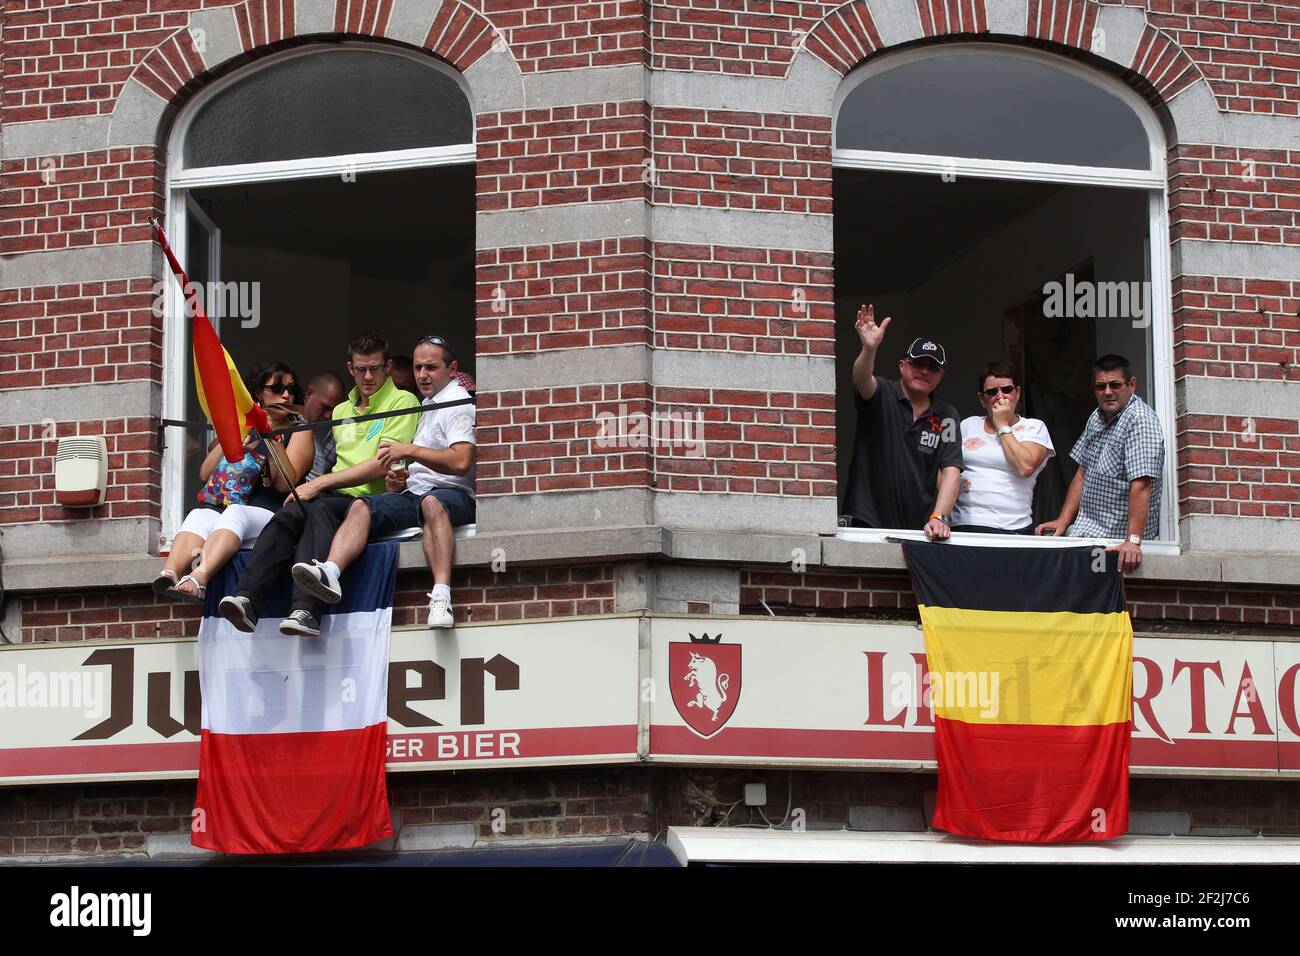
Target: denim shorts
x=391, y=512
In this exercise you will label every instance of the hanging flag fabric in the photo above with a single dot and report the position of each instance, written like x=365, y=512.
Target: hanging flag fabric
x=291, y=753
x=222, y=394
x=1030, y=659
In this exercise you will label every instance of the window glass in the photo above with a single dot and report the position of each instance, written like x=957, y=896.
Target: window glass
x=992, y=106
x=329, y=104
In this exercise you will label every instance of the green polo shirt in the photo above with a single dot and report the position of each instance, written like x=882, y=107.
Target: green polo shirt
x=360, y=442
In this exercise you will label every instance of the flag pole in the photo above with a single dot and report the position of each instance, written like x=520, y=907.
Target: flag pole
x=273, y=453
x=184, y=280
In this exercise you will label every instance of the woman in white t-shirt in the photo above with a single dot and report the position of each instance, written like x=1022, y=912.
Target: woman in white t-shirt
x=1003, y=454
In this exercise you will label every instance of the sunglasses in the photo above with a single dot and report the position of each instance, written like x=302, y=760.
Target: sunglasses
x=433, y=340
x=1004, y=389
x=1109, y=386
x=280, y=388
x=925, y=365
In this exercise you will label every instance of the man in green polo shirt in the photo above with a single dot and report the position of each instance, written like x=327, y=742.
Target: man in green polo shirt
x=303, y=533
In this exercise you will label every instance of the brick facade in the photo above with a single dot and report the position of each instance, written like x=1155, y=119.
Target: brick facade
x=509, y=595
x=1153, y=605
x=63, y=62
x=72, y=821
x=654, y=196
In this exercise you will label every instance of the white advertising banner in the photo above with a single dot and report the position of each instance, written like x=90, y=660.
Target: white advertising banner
x=690, y=690
x=818, y=693
x=544, y=693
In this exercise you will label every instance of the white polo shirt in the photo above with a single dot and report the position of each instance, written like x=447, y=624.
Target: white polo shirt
x=441, y=428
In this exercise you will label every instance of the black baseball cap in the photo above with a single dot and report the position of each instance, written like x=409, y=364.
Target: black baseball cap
x=926, y=348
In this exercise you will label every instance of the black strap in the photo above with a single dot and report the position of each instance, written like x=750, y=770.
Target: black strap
x=332, y=423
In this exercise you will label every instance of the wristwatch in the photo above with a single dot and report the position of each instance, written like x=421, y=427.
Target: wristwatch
x=1004, y=430
x=1135, y=539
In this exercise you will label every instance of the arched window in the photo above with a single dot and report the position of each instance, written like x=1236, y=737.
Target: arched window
x=316, y=194
x=980, y=191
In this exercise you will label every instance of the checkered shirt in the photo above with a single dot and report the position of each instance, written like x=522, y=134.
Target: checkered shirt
x=1112, y=455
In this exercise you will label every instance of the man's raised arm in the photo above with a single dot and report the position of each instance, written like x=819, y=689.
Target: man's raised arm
x=864, y=366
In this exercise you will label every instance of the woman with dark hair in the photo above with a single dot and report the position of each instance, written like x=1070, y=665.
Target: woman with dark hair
x=238, y=498
x=1003, y=454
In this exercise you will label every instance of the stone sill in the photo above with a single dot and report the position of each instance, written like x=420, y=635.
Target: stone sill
x=568, y=546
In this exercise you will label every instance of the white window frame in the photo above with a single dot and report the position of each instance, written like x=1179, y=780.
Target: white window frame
x=180, y=180
x=1160, y=358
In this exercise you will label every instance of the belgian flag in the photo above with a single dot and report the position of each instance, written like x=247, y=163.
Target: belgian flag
x=1030, y=656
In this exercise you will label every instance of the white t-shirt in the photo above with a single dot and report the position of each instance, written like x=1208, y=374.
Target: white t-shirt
x=442, y=428
x=996, y=497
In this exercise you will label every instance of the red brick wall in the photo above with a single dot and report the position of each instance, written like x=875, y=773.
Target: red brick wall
x=1237, y=328
x=765, y=443
x=79, y=334
x=889, y=594
x=61, y=59
x=78, y=199
x=67, y=60
x=756, y=38
x=1229, y=465
x=560, y=35
x=510, y=595
x=724, y=298
x=1237, y=195
x=121, y=614
x=590, y=153
x=549, y=439
x=585, y=801
x=569, y=295
x=828, y=593
x=1247, y=51
x=723, y=158
x=27, y=470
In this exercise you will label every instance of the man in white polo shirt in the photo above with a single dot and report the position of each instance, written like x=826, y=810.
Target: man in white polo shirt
x=430, y=482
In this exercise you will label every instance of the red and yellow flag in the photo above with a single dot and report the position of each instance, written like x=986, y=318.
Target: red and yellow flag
x=222, y=394
x=1030, y=656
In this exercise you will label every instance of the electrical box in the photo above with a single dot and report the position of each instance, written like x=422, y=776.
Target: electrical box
x=80, y=472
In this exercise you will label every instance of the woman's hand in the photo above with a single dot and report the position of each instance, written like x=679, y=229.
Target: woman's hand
x=1002, y=412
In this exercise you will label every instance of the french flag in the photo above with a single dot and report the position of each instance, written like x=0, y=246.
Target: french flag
x=291, y=756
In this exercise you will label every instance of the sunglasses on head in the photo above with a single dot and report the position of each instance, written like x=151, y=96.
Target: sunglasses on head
x=1004, y=389
x=433, y=340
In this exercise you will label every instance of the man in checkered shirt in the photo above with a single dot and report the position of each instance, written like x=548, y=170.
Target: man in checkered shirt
x=1121, y=455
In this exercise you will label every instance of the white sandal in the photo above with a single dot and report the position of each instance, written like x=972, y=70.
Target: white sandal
x=164, y=582
x=200, y=595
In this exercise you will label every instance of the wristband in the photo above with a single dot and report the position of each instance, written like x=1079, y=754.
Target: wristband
x=1004, y=430
x=944, y=518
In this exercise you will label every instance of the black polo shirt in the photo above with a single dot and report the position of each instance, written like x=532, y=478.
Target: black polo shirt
x=896, y=460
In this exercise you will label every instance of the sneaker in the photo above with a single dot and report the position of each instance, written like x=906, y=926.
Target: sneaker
x=440, y=612
x=300, y=622
x=318, y=581
x=238, y=610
